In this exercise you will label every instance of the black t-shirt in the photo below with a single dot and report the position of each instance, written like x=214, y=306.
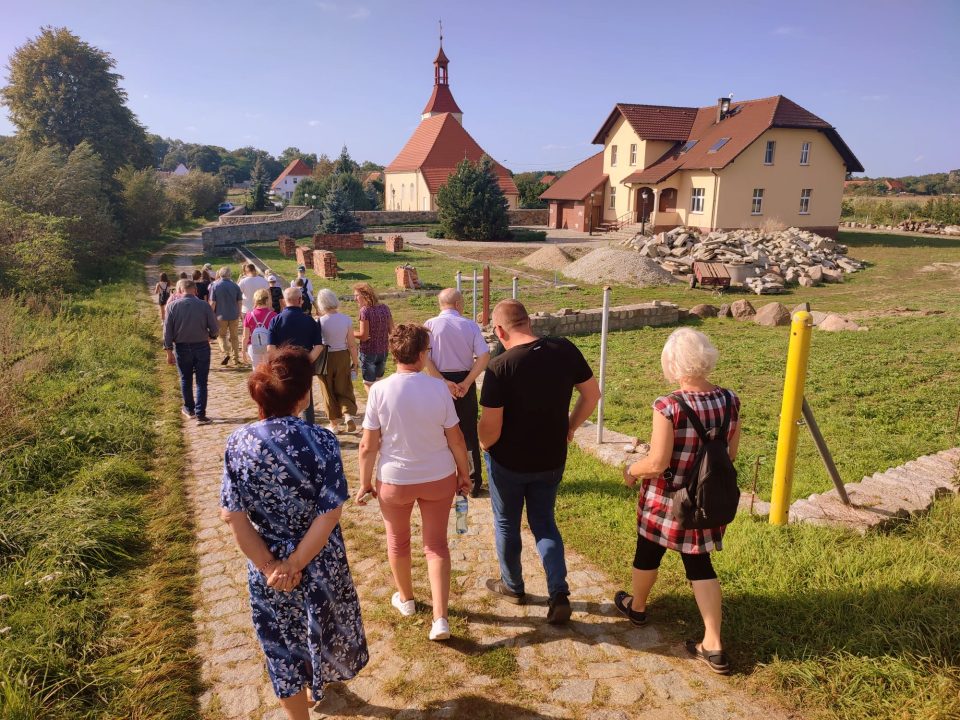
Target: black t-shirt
x=533, y=383
x=203, y=290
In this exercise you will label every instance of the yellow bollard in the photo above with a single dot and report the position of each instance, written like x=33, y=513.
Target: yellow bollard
x=793, y=383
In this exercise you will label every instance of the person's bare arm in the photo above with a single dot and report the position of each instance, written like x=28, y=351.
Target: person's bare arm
x=479, y=365
x=246, y=336
x=369, y=447
x=315, y=353
x=589, y=396
x=458, y=447
x=490, y=426
x=253, y=546
x=733, y=446
x=352, y=347
x=430, y=369
x=661, y=450
x=315, y=539
x=363, y=334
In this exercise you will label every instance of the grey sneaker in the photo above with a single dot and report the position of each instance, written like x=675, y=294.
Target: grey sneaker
x=498, y=587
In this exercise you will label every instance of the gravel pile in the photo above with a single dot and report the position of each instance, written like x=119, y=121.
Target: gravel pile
x=622, y=267
x=549, y=257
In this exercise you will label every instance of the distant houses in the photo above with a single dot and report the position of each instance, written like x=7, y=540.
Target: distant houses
x=729, y=165
x=287, y=181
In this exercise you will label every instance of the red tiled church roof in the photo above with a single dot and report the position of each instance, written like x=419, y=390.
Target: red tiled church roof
x=436, y=148
x=745, y=122
x=577, y=182
x=441, y=101
x=296, y=168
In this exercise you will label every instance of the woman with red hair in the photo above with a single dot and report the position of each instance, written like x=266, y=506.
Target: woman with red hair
x=282, y=493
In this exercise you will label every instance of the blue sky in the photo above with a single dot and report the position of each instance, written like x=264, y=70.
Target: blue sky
x=535, y=79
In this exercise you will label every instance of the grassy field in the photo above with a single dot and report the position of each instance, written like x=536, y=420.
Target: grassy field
x=96, y=561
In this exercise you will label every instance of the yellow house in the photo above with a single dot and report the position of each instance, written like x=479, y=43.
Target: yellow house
x=724, y=166
x=434, y=150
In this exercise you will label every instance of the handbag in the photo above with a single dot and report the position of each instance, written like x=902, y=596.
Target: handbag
x=320, y=365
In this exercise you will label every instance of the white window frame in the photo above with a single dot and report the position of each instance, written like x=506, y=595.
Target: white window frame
x=805, y=196
x=805, y=153
x=633, y=154
x=613, y=156
x=613, y=196
x=769, y=152
x=698, y=197
x=756, y=203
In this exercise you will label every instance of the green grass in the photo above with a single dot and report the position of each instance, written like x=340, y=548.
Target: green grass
x=841, y=625
x=95, y=535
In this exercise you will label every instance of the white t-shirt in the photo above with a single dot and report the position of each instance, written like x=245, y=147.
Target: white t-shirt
x=335, y=329
x=411, y=411
x=249, y=284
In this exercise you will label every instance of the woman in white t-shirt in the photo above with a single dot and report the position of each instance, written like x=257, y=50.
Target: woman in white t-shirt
x=411, y=422
x=336, y=381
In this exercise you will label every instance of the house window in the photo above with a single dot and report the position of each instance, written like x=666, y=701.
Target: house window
x=688, y=146
x=294, y=181
x=613, y=196
x=633, y=153
x=756, y=207
x=805, y=201
x=805, y=154
x=613, y=156
x=718, y=144
x=768, y=153
x=697, y=196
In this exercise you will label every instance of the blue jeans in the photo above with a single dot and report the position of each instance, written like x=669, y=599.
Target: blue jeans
x=509, y=490
x=193, y=359
x=372, y=366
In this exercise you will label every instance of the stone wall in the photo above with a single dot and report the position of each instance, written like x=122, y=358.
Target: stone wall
x=372, y=218
x=623, y=317
x=297, y=223
x=537, y=216
x=325, y=264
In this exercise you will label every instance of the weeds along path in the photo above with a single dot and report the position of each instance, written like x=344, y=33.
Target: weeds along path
x=504, y=661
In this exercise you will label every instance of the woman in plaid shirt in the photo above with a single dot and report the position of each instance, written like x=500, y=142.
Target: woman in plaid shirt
x=688, y=358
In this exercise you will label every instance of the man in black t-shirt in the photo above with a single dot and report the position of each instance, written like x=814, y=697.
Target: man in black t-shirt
x=524, y=429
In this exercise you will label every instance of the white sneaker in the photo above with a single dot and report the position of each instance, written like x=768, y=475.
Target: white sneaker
x=351, y=424
x=405, y=607
x=440, y=629
x=335, y=429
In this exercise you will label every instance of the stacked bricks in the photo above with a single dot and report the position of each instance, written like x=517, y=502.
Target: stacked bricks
x=623, y=317
x=325, y=264
x=304, y=256
x=345, y=241
x=394, y=244
x=407, y=277
x=288, y=246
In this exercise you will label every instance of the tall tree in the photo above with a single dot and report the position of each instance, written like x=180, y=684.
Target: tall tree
x=337, y=215
x=345, y=164
x=258, y=186
x=63, y=91
x=471, y=204
x=292, y=153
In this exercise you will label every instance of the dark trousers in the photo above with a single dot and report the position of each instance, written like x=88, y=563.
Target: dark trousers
x=467, y=410
x=193, y=360
x=309, y=414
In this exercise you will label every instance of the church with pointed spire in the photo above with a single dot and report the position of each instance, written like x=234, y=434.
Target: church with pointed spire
x=435, y=149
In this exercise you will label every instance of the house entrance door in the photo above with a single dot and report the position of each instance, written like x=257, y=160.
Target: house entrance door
x=643, y=205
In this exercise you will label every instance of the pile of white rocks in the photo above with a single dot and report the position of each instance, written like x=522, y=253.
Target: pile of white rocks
x=763, y=261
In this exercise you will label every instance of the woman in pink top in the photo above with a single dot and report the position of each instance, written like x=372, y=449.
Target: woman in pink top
x=256, y=327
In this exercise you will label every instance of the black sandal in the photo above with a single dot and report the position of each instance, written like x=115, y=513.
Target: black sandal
x=622, y=602
x=716, y=660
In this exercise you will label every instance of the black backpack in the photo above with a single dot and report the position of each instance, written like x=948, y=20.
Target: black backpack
x=710, y=496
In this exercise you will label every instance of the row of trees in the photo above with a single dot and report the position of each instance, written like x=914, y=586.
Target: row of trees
x=77, y=182
x=946, y=183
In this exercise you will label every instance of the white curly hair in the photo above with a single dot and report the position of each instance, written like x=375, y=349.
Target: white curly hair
x=688, y=354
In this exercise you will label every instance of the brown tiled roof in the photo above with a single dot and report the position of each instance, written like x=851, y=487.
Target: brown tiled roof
x=436, y=148
x=577, y=182
x=745, y=123
x=547, y=179
x=296, y=168
x=651, y=122
x=441, y=101
x=373, y=176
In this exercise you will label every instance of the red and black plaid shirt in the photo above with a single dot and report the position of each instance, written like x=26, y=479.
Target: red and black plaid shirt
x=654, y=521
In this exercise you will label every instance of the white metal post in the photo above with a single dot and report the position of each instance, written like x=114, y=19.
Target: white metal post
x=603, y=360
x=516, y=287
x=474, y=294
x=459, y=281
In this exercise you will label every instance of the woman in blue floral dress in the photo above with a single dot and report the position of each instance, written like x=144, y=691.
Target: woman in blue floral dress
x=282, y=493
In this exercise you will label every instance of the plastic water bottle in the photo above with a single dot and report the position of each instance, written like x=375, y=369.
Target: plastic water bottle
x=461, y=511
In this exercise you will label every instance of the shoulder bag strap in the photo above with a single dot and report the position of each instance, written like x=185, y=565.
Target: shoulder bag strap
x=692, y=417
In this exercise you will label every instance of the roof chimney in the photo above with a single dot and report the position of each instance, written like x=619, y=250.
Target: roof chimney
x=723, y=107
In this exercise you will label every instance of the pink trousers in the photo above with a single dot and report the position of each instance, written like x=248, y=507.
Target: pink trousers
x=396, y=506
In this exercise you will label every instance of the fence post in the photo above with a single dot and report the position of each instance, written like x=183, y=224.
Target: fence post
x=604, y=326
x=516, y=287
x=474, y=316
x=790, y=409
x=459, y=277
x=485, y=312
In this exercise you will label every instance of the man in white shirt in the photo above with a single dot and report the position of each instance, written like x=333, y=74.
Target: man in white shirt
x=458, y=354
x=249, y=284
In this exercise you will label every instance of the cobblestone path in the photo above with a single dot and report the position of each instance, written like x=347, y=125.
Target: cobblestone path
x=504, y=661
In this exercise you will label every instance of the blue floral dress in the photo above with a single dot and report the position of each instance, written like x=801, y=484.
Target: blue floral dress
x=284, y=473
